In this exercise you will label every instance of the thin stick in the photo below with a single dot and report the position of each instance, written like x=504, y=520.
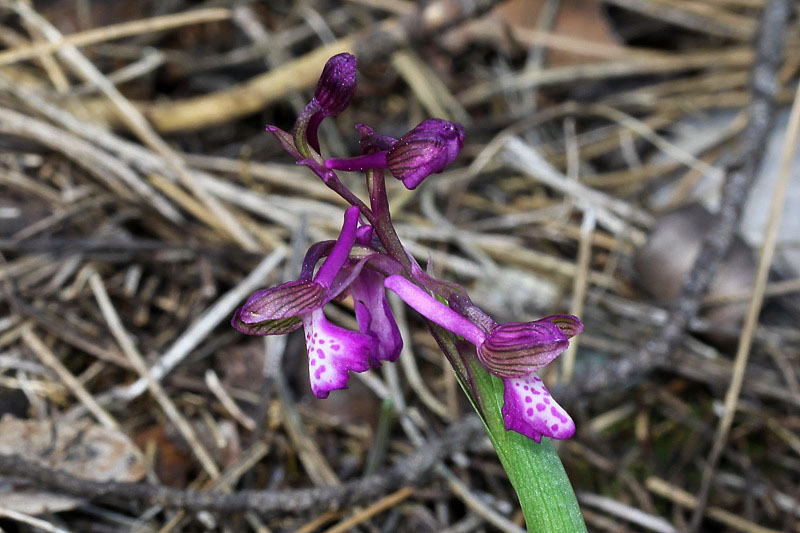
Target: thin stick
x=741, y=171
x=685, y=499
x=778, y=288
x=733, y=57
x=49, y=63
x=381, y=505
x=408, y=470
x=478, y=506
x=312, y=458
x=226, y=224
x=216, y=387
x=579, y=286
x=408, y=361
x=319, y=521
x=76, y=387
x=754, y=308
x=113, y=172
x=194, y=334
x=708, y=19
x=668, y=147
x=626, y=512
x=253, y=95
x=31, y=521
x=115, y=31
x=136, y=359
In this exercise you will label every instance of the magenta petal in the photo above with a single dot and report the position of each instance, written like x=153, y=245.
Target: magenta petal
x=529, y=409
x=372, y=142
x=376, y=160
x=434, y=310
x=364, y=235
x=375, y=317
x=340, y=251
x=332, y=352
x=312, y=135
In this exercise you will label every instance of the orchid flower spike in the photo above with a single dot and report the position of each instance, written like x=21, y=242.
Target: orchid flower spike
x=332, y=350
x=513, y=352
x=427, y=149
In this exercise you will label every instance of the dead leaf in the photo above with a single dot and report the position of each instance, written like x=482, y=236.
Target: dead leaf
x=513, y=24
x=86, y=450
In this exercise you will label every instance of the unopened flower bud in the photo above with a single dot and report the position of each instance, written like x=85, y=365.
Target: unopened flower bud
x=337, y=84
x=425, y=150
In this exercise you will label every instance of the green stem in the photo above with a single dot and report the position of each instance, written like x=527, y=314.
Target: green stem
x=535, y=471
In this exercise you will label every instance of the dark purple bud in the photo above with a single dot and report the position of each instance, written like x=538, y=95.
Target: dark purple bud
x=279, y=310
x=425, y=150
x=516, y=349
x=337, y=84
x=372, y=142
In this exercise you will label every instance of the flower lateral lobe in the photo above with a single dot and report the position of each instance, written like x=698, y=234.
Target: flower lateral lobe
x=425, y=150
x=529, y=409
x=375, y=317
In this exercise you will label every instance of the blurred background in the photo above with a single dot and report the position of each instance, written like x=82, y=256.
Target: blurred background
x=142, y=200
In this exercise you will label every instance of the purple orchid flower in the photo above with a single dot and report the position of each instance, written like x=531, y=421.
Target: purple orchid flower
x=332, y=350
x=427, y=149
x=513, y=352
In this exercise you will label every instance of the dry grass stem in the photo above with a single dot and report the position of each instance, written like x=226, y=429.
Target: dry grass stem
x=114, y=31
x=142, y=201
x=757, y=299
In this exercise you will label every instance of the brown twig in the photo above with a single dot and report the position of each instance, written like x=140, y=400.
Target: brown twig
x=115, y=31
x=301, y=73
x=754, y=309
x=410, y=470
x=740, y=172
